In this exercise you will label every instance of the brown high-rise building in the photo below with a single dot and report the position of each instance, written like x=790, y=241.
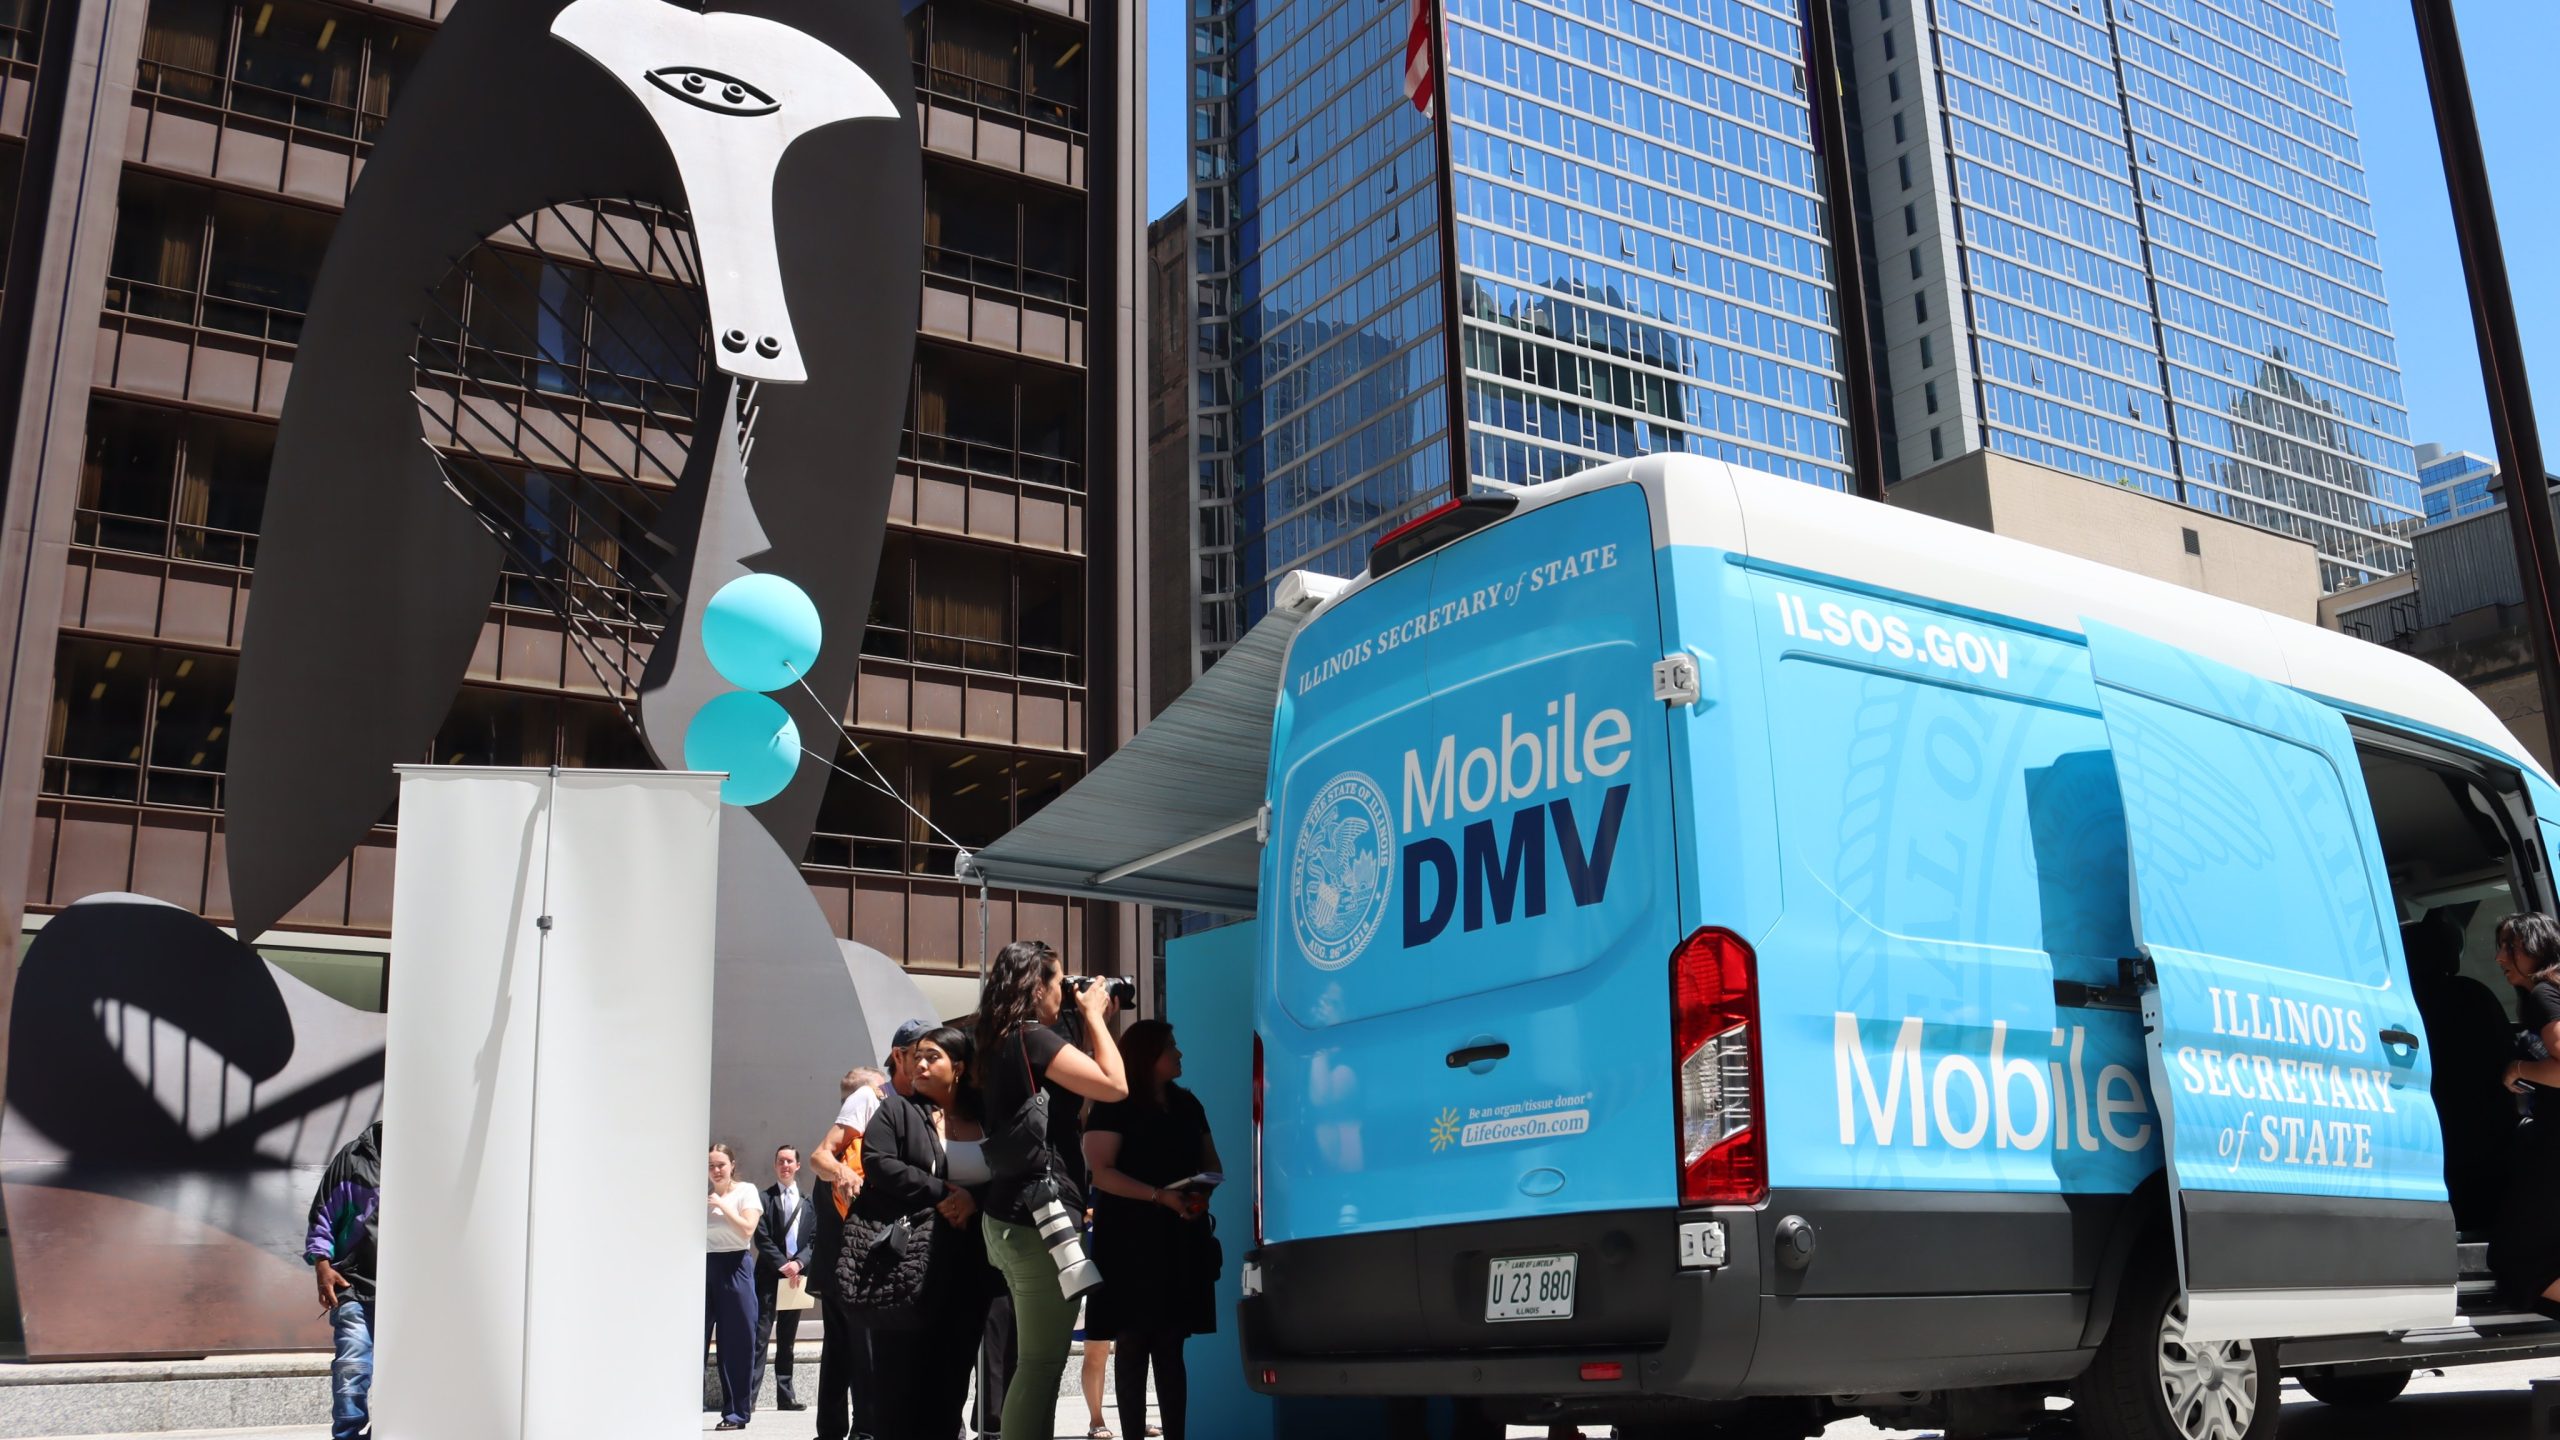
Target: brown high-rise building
x=176, y=168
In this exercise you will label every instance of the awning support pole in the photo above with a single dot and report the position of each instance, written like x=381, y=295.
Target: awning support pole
x=1176, y=852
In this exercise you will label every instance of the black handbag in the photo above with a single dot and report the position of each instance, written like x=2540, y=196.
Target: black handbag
x=1208, y=1252
x=880, y=1274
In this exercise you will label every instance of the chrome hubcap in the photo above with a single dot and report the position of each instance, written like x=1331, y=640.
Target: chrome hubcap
x=2210, y=1386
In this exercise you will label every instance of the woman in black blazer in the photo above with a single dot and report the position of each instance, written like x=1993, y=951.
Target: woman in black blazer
x=922, y=1367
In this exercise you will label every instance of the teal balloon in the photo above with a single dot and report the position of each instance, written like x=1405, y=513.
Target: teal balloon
x=749, y=736
x=761, y=632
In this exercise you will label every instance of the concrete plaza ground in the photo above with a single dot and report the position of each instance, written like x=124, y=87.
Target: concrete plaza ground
x=2488, y=1402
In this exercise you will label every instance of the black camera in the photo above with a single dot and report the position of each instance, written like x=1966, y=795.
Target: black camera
x=1118, y=987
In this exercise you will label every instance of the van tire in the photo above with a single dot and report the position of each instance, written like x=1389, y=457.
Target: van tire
x=2352, y=1392
x=2226, y=1391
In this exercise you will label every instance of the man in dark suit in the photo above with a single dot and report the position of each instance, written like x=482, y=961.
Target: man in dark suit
x=784, y=1236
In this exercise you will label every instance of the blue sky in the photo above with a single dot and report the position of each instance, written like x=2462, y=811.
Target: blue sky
x=2508, y=44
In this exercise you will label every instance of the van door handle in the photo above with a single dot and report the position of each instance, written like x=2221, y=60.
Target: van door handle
x=2403, y=1038
x=1485, y=1054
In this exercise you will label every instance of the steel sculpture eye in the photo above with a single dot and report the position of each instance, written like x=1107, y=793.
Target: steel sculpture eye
x=720, y=94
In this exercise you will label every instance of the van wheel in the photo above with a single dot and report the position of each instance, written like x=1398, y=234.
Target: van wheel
x=2373, y=1387
x=2150, y=1382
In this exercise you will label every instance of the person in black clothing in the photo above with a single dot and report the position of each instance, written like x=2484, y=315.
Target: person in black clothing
x=1149, y=1242
x=2524, y=1249
x=785, y=1241
x=2468, y=1032
x=1021, y=1054
x=922, y=1368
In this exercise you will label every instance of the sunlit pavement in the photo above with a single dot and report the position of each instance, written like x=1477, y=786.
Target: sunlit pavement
x=2483, y=1402
x=2479, y=1402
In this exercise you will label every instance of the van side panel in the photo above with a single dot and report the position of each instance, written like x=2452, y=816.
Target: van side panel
x=2546, y=811
x=1471, y=903
x=1728, y=827
x=1953, y=846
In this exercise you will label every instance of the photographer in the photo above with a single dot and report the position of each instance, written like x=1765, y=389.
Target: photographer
x=1021, y=1054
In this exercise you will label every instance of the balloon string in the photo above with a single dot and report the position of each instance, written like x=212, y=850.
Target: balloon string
x=881, y=783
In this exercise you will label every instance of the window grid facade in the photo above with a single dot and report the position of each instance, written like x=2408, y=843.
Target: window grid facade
x=1642, y=259
x=2169, y=277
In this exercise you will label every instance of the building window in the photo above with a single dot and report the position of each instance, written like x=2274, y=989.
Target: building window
x=184, y=486
x=1929, y=393
x=1928, y=357
x=313, y=67
x=2195, y=542
x=994, y=416
x=1920, y=304
x=511, y=728
x=1893, y=84
x=1910, y=220
x=1915, y=262
x=970, y=607
x=1021, y=238
x=1006, y=62
x=1888, y=45
x=1902, y=164
x=358, y=979
x=139, y=724
x=213, y=259
x=1937, y=444
x=509, y=319
x=971, y=795
x=1898, y=136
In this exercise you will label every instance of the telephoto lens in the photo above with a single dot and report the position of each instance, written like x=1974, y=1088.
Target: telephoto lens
x=1118, y=987
x=1062, y=1230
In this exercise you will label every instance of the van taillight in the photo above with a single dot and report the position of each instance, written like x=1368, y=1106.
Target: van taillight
x=1257, y=1141
x=1715, y=1035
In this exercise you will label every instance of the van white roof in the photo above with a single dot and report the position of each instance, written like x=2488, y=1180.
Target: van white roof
x=1704, y=502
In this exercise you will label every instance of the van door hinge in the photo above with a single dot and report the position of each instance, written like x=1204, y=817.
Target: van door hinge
x=1262, y=825
x=1675, y=680
x=2134, y=975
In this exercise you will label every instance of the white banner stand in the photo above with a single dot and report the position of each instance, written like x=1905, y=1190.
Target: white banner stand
x=546, y=1102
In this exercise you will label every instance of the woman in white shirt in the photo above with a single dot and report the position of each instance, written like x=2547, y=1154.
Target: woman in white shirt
x=729, y=1284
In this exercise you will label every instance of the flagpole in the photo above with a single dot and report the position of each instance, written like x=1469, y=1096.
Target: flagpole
x=1452, y=327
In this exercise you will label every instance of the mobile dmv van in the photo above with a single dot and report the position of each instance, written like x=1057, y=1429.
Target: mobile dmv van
x=1729, y=950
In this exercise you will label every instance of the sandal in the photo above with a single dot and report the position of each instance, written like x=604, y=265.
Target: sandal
x=1098, y=1431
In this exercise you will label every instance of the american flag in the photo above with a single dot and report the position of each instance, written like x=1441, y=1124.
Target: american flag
x=1417, y=55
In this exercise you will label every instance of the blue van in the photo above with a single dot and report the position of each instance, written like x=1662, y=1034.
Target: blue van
x=1732, y=952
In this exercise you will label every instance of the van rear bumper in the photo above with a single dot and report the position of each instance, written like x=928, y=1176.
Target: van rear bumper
x=1909, y=1291
x=1353, y=1315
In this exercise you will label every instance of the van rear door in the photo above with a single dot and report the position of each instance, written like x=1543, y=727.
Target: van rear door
x=1471, y=894
x=2306, y=1166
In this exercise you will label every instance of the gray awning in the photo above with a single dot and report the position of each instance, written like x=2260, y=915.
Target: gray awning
x=1171, y=818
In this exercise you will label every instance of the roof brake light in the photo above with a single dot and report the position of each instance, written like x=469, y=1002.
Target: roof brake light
x=1428, y=532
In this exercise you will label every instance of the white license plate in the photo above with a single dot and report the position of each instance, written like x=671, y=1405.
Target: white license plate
x=1531, y=1287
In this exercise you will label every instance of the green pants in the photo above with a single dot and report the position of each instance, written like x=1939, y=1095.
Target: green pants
x=1044, y=1324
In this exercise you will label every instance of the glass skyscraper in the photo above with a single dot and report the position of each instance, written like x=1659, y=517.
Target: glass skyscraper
x=1642, y=260
x=2455, y=483
x=2129, y=239
x=2125, y=239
